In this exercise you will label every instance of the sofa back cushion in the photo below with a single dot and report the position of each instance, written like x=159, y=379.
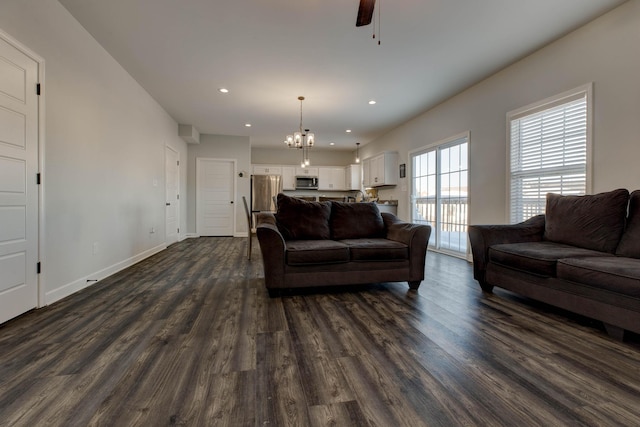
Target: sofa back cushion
x=630, y=242
x=592, y=222
x=298, y=219
x=355, y=221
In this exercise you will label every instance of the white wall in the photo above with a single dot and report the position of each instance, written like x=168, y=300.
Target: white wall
x=104, y=149
x=221, y=147
x=289, y=156
x=605, y=52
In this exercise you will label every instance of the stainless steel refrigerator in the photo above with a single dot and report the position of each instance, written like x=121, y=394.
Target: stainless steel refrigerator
x=264, y=189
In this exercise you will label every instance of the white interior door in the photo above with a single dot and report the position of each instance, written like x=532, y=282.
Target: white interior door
x=215, y=190
x=18, y=188
x=172, y=188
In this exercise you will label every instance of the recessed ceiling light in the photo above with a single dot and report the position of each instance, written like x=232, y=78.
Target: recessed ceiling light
x=372, y=102
x=223, y=90
x=248, y=125
x=332, y=143
x=348, y=131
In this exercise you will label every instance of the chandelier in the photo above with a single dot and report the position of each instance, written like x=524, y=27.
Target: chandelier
x=303, y=140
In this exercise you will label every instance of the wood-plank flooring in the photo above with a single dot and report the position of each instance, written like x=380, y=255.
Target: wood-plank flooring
x=190, y=337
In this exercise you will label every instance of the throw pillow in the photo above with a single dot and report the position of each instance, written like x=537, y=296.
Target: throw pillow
x=355, y=221
x=630, y=243
x=592, y=222
x=299, y=219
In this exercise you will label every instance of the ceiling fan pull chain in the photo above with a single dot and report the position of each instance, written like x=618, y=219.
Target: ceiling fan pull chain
x=379, y=23
x=374, y=29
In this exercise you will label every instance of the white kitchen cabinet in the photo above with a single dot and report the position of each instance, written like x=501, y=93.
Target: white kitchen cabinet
x=306, y=171
x=288, y=178
x=352, y=180
x=267, y=170
x=366, y=173
x=381, y=170
x=331, y=178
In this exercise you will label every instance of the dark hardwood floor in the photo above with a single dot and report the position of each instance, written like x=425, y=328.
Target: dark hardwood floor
x=190, y=337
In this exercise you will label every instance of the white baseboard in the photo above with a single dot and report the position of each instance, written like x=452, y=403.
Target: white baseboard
x=196, y=235
x=93, y=278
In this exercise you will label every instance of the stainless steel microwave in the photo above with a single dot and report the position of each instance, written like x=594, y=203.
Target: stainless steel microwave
x=306, y=183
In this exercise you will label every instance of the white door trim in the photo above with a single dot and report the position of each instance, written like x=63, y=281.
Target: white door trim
x=41, y=169
x=177, y=153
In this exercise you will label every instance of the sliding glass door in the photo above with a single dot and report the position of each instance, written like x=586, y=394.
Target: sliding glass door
x=439, y=177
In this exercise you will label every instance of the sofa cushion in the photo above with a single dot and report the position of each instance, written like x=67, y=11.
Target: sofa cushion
x=629, y=245
x=372, y=249
x=300, y=219
x=306, y=252
x=616, y=274
x=591, y=222
x=355, y=220
x=537, y=257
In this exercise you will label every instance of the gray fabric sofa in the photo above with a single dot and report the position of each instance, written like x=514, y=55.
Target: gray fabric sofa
x=583, y=255
x=317, y=244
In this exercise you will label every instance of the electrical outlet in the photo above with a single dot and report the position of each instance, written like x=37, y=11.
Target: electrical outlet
x=153, y=230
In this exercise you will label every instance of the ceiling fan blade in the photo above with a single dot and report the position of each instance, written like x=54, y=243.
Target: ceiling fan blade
x=365, y=12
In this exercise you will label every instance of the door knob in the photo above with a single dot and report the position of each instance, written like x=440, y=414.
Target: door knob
x=168, y=204
x=232, y=202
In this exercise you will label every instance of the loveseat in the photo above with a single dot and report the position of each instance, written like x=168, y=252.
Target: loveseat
x=318, y=244
x=582, y=255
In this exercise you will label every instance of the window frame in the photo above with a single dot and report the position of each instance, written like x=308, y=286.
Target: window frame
x=547, y=103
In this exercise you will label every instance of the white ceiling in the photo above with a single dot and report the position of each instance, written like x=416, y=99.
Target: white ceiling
x=268, y=52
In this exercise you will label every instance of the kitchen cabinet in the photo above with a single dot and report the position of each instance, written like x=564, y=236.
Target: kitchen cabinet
x=306, y=171
x=366, y=173
x=381, y=170
x=331, y=178
x=392, y=209
x=288, y=178
x=267, y=170
x=352, y=180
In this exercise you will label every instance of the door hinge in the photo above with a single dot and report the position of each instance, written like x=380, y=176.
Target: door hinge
x=178, y=231
x=178, y=162
x=38, y=178
x=38, y=268
x=177, y=197
x=38, y=89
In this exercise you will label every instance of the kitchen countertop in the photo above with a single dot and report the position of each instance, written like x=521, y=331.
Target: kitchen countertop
x=338, y=198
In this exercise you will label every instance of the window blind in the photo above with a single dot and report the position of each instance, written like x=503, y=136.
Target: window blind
x=548, y=154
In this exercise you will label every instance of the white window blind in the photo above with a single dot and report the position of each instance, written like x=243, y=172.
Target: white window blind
x=548, y=154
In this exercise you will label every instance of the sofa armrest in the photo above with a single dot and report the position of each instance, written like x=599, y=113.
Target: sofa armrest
x=484, y=236
x=416, y=236
x=273, y=248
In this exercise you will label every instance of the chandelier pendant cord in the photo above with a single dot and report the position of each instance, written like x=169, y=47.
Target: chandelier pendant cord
x=301, y=98
x=301, y=113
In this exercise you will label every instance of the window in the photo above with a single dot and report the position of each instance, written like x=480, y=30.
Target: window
x=439, y=193
x=549, y=145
